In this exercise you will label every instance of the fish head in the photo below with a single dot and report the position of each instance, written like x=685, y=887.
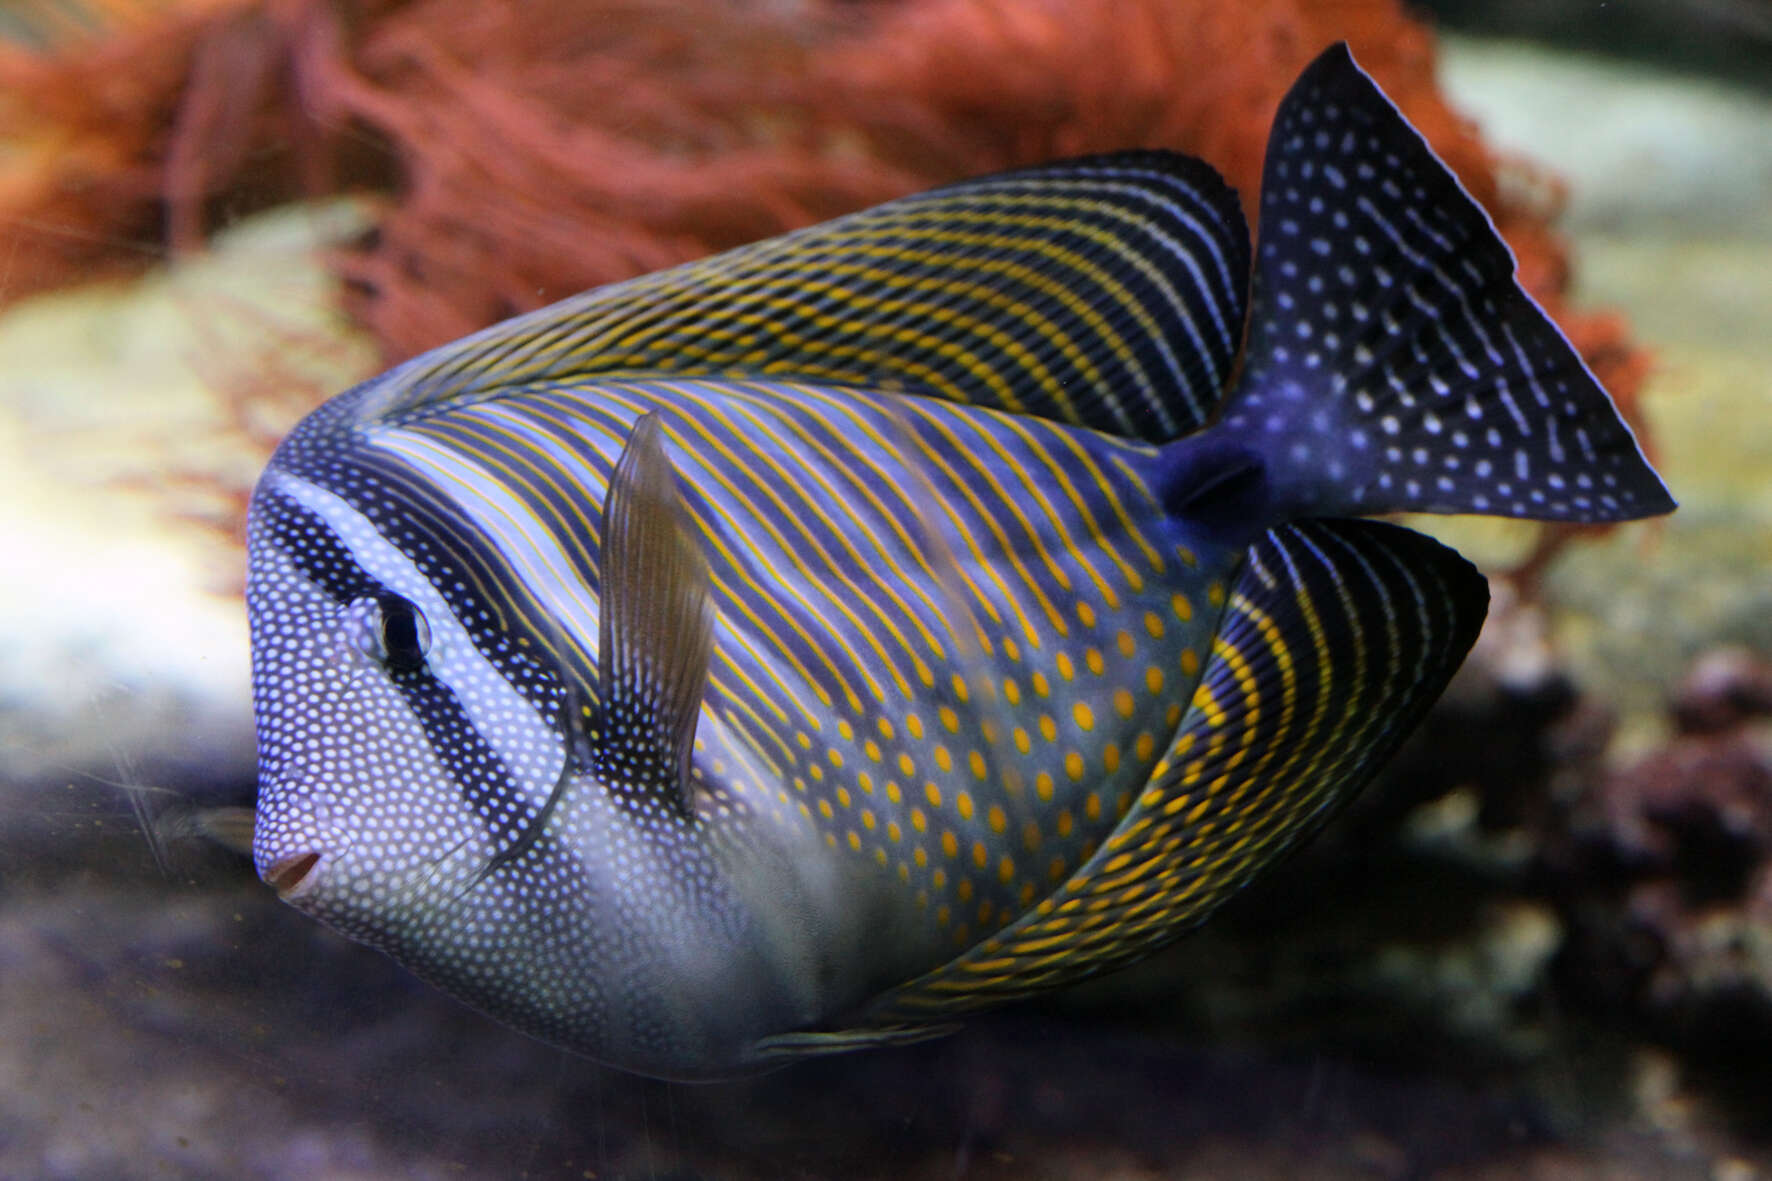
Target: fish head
x=394, y=754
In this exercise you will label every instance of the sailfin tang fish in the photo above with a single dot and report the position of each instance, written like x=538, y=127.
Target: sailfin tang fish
x=799, y=649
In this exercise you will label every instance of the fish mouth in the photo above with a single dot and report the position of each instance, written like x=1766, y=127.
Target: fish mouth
x=292, y=876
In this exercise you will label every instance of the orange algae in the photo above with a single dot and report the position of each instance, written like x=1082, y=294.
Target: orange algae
x=529, y=151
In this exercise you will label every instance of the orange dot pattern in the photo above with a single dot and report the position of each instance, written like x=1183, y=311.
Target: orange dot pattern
x=1337, y=638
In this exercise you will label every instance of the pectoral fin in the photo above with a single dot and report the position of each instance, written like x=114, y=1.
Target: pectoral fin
x=657, y=625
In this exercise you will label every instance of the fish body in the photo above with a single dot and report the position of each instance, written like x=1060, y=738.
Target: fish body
x=797, y=650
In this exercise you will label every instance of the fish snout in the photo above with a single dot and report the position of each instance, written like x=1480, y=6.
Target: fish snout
x=294, y=875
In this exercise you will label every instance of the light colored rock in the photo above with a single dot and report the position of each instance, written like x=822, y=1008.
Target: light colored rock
x=1636, y=144
x=122, y=641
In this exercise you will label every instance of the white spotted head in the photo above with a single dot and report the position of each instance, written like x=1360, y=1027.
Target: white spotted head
x=396, y=756
x=413, y=733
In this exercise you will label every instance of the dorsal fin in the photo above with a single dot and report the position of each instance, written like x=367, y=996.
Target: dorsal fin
x=1105, y=292
x=656, y=630
x=1337, y=638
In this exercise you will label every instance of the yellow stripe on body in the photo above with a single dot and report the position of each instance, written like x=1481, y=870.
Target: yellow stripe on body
x=1059, y=574
x=865, y=489
x=493, y=421
x=1062, y=477
x=727, y=596
x=980, y=213
x=1152, y=554
x=855, y=245
x=788, y=480
x=989, y=567
x=874, y=361
x=1152, y=872
x=873, y=436
x=688, y=394
x=1249, y=689
x=565, y=534
x=1053, y=616
x=1038, y=278
x=714, y=536
x=1079, y=290
x=790, y=270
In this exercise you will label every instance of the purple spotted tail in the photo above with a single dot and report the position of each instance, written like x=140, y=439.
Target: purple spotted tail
x=1393, y=363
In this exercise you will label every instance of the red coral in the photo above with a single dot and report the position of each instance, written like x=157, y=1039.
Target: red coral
x=535, y=150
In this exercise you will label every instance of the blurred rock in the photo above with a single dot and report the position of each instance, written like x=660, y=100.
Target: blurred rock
x=150, y=1033
x=1724, y=689
x=1626, y=141
x=1663, y=868
x=123, y=659
x=1732, y=38
x=1699, y=808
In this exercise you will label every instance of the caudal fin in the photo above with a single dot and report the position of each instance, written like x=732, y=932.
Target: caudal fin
x=1393, y=362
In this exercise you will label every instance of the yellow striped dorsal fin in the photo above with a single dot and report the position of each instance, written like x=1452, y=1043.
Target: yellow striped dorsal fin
x=1105, y=292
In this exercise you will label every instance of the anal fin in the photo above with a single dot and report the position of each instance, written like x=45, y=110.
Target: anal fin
x=1337, y=638
x=818, y=1042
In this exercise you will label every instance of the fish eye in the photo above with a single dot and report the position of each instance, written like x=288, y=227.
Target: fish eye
x=391, y=631
x=405, y=634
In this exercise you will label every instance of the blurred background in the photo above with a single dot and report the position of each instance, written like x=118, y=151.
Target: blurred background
x=1540, y=946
